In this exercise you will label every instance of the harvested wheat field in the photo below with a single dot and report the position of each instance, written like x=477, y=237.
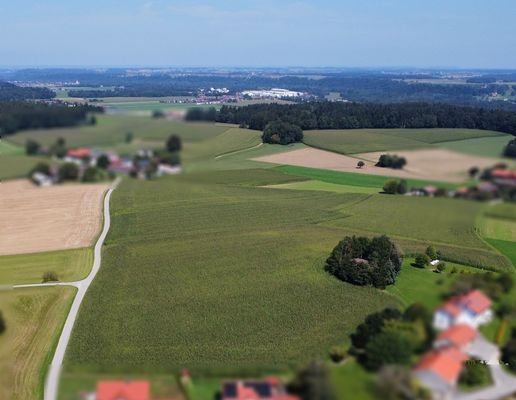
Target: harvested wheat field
x=430, y=164
x=38, y=219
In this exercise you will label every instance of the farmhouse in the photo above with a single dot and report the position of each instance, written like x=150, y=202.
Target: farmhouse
x=122, y=390
x=459, y=336
x=77, y=155
x=268, y=389
x=472, y=308
x=504, y=177
x=440, y=369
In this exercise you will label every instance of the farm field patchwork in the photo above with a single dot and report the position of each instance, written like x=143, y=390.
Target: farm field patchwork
x=38, y=219
x=69, y=265
x=34, y=319
x=486, y=146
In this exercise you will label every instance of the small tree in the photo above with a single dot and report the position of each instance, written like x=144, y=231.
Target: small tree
x=441, y=267
x=475, y=373
x=50, y=276
x=313, y=382
x=3, y=325
x=509, y=354
x=360, y=164
x=431, y=253
x=129, y=136
x=391, y=186
x=158, y=114
x=103, y=161
x=32, y=147
x=337, y=353
x=421, y=261
x=40, y=167
x=68, y=172
x=402, y=187
x=173, y=144
x=397, y=383
x=473, y=172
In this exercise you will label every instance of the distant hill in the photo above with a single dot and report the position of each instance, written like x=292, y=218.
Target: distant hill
x=9, y=92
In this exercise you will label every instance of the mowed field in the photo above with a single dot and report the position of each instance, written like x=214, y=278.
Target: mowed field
x=428, y=164
x=34, y=318
x=38, y=219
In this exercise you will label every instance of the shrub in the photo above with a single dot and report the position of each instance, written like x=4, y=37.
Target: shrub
x=441, y=267
x=279, y=132
x=421, y=261
x=509, y=354
x=50, y=276
x=103, y=161
x=387, y=348
x=337, y=354
x=158, y=114
x=391, y=186
x=431, y=253
x=360, y=164
x=32, y=147
x=363, y=261
x=510, y=149
x=373, y=325
x=3, y=325
x=397, y=383
x=68, y=172
x=94, y=174
x=313, y=382
x=475, y=373
x=174, y=143
x=129, y=136
x=40, y=167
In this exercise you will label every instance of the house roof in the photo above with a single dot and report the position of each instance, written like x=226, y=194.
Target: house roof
x=268, y=389
x=122, y=390
x=475, y=301
x=458, y=335
x=80, y=152
x=503, y=173
x=445, y=362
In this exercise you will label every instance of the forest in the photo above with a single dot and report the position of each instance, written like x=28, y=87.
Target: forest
x=328, y=115
x=8, y=91
x=16, y=116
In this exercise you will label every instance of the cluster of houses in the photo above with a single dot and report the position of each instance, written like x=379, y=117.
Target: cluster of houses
x=500, y=182
x=457, y=321
x=266, y=389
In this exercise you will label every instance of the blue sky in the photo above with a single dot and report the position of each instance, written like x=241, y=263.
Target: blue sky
x=347, y=33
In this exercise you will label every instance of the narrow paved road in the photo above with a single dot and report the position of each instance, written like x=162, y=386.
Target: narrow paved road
x=54, y=372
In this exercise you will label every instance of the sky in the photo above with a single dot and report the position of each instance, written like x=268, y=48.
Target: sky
x=259, y=33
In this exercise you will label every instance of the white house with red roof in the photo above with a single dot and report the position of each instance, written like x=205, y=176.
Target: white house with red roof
x=472, y=308
x=123, y=390
x=267, y=389
x=460, y=336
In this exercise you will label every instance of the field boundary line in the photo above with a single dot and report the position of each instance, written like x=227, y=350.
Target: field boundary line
x=238, y=151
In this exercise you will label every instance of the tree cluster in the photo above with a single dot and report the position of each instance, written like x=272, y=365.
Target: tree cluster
x=509, y=352
x=363, y=261
x=391, y=161
x=17, y=116
x=279, y=132
x=494, y=285
x=328, y=115
x=395, y=186
x=391, y=337
x=510, y=149
x=201, y=114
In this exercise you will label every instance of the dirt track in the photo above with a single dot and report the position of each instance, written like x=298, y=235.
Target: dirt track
x=430, y=164
x=37, y=219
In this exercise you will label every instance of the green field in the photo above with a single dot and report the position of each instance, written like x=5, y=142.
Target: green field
x=498, y=226
x=352, y=141
x=324, y=186
x=486, y=146
x=235, y=274
x=7, y=148
x=17, y=166
x=34, y=319
x=69, y=265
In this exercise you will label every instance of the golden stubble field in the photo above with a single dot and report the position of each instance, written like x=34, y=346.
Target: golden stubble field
x=35, y=219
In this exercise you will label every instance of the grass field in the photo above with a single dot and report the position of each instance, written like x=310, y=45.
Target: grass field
x=17, y=166
x=69, y=265
x=324, y=186
x=10, y=149
x=498, y=226
x=353, y=141
x=486, y=146
x=238, y=269
x=34, y=320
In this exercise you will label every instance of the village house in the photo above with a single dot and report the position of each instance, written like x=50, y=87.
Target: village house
x=267, y=389
x=78, y=156
x=460, y=336
x=472, y=308
x=122, y=390
x=504, y=177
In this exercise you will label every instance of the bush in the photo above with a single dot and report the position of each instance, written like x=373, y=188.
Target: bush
x=158, y=114
x=40, y=167
x=173, y=144
x=129, y=136
x=283, y=133
x=421, y=261
x=510, y=149
x=68, y=172
x=313, y=382
x=337, y=354
x=50, y=276
x=103, y=161
x=391, y=161
x=441, y=267
x=32, y=147
x=431, y=253
x=394, y=186
x=94, y=174
x=475, y=373
x=363, y=261
x=3, y=325
x=360, y=164
x=397, y=383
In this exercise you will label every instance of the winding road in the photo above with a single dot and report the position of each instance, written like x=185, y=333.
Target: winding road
x=54, y=372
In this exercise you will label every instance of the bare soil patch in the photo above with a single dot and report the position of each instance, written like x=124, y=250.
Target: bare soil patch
x=430, y=164
x=35, y=219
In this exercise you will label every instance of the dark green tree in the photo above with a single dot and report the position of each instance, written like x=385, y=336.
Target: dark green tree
x=174, y=144
x=279, y=132
x=387, y=348
x=3, y=325
x=32, y=147
x=40, y=167
x=421, y=260
x=372, y=325
x=68, y=172
x=391, y=186
x=103, y=161
x=313, y=383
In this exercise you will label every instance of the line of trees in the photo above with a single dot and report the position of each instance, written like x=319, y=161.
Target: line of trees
x=327, y=115
x=510, y=149
x=17, y=116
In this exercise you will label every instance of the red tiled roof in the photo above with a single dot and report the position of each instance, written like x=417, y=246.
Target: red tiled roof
x=458, y=335
x=474, y=300
x=81, y=152
x=503, y=173
x=116, y=390
x=445, y=363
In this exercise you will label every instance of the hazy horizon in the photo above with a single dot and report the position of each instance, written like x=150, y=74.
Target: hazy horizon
x=256, y=33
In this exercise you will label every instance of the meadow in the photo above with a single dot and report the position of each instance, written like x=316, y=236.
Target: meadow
x=69, y=265
x=17, y=166
x=34, y=319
